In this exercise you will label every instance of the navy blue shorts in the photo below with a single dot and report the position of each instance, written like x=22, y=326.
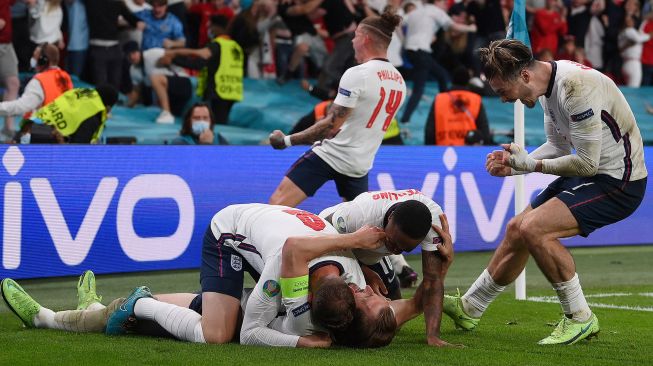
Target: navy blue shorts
x=223, y=268
x=310, y=173
x=595, y=201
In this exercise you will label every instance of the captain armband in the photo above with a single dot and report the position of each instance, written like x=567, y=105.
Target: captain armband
x=294, y=287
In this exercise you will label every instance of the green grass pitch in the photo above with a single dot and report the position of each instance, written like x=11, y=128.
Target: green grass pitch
x=617, y=280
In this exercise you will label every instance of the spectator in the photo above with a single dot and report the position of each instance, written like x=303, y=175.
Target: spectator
x=306, y=41
x=133, y=75
x=578, y=20
x=20, y=33
x=170, y=83
x=197, y=127
x=46, y=17
x=456, y=113
x=421, y=26
x=339, y=22
x=8, y=66
x=221, y=61
x=77, y=37
x=105, y=54
x=49, y=82
x=568, y=49
x=162, y=30
x=631, y=43
x=488, y=16
x=244, y=29
x=548, y=25
x=647, y=52
x=206, y=11
x=595, y=35
x=76, y=116
x=133, y=34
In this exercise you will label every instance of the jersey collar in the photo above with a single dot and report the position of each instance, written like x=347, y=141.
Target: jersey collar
x=554, y=69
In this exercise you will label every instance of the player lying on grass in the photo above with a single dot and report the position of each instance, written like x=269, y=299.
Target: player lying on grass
x=369, y=307
x=240, y=237
x=408, y=218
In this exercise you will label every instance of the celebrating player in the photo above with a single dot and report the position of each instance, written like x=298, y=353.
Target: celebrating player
x=602, y=182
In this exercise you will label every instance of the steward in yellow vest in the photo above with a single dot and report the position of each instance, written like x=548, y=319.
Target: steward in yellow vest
x=76, y=116
x=456, y=113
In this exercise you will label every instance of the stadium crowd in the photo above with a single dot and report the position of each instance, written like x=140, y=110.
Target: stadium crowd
x=157, y=52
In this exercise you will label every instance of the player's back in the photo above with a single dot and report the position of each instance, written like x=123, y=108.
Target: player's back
x=258, y=231
x=375, y=91
x=581, y=93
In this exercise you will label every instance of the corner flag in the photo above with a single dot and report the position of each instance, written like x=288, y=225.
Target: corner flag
x=518, y=29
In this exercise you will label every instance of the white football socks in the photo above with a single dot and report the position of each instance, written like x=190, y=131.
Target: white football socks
x=480, y=294
x=572, y=299
x=183, y=323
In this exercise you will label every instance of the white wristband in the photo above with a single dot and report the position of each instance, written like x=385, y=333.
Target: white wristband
x=286, y=141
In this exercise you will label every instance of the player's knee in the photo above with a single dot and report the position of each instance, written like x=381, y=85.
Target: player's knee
x=513, y=229
x=531, y=231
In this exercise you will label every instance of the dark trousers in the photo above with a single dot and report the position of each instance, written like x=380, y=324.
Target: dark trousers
x=424, y=65
x=106, y=63
x=340, y=59
x=647, y=75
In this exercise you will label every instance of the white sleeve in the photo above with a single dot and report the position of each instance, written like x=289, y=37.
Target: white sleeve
x=351, y=87
x=298, y=316
x=348, y=217
x=262, y=308
x=31, y=100
x=585, y=127
x=638, y=37
x=555, y=146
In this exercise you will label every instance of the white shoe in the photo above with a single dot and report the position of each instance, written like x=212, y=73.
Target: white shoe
x=165, y=118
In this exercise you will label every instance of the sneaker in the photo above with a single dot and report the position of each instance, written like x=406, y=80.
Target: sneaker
x=123, y=319
x=569, y=331
x=453, y=307
x=166, y=118
x=408, y=277
x=86, y=291
x=20, y=302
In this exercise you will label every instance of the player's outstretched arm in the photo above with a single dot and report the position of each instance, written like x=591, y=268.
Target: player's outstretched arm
x=298, y=251
x=324, y=128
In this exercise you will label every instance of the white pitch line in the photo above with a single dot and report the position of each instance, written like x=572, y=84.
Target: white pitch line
x=647, y=294
x=552, y=299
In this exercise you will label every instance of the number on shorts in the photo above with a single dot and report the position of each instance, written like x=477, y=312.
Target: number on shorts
x=309, y=219
x=390, y=108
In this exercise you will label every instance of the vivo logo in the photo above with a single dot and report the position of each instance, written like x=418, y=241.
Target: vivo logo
x=73, y=248
x=489, y=220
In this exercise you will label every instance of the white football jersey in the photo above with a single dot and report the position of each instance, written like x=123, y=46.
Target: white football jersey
x=579, y=100
x=375, y=91
x=370, y=208
x=262, y=322
x=258, y=231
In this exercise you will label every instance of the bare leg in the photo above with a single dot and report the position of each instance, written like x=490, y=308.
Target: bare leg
x=287, y=194
x=160, y=86
x=11, y=93
x=542, y=230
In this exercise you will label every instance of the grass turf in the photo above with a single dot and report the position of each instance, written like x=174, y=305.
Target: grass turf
x=508, y=332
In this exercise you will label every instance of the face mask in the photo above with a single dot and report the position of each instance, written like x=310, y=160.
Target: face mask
x=199, y=126
x=26, y=138
x=32, y=63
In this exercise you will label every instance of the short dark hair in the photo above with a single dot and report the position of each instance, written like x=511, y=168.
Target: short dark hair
x=364, y=332
x=333, y=305
x=413, y=218
x=159, y=2
x=505, y=58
